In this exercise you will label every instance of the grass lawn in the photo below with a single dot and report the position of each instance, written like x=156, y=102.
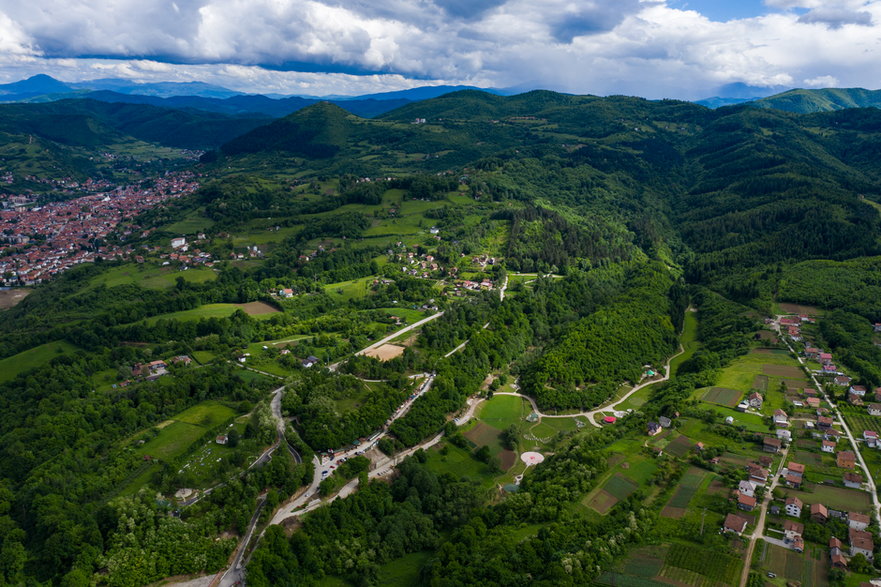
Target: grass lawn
x=741, y=374
x=11, y=367
x=403, y=571
x=503, y=410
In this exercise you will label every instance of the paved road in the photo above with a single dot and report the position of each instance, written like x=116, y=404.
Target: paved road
x=873, y=490
x=759, y=530
x=234, y=575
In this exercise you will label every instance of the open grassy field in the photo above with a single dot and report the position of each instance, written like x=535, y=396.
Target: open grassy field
x=839, y=498
x=459, y=463
x=774, y=364
x=178, y=434
x=503, y=410
x=638, y=569
x=192, y=223
x=349, y=290
x=150, y=276
x=11, y=367
x=261, y=312
x=688, y=340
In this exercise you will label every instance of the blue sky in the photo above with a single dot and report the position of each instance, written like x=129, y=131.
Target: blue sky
x=653, y=48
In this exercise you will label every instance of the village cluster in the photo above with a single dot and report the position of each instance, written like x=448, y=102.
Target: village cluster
x=39, y=242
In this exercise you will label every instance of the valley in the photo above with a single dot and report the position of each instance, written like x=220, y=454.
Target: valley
x=542, y=338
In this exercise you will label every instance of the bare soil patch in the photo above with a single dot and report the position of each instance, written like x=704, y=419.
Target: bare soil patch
x=767, y=335
x=783, y=371
x=482, y=434
x=11, y=297
x=258, y=308
x=507, y=459
x=385, y=352
x=671, y=512
x=717, y=488
x=800, y=309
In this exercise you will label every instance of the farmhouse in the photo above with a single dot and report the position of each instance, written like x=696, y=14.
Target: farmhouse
x=809, y=392
x=812, y=352
x=824, y=422
x=861, y=543
x=857, y=521
x=221, y=439
x=770, y=444
x=825, y=358
x=859, y=390
x=755, y=400
x=813, y=402
x=836, y=556
x=747, y=488
x=792, y=530
x=875, y=409
x=871, y=438
x=841, y=380
x=746, y=502
x=846, y=459
x=828, y=446
x=757, y=473
x=793, y=507
x=734, y=523
x=853, y=480
x=781, y=420
x=819, y=513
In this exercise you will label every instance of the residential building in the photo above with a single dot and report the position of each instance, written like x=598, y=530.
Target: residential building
x=828, y=446
x=875, y=409
x=747, y=488
x=770, y=444
x=819, y=513
x=746, y=502
x=836, y=553
x=734, y=523
x=846, y=459
x=853, y=480
x=665, y=422
x=653, y=428
x=793, y=507
x=871, y=438
x=857, y=521
x=755, y=400
x=861, y=543
x=859, y=390
x=792, y=530
x=781, y=420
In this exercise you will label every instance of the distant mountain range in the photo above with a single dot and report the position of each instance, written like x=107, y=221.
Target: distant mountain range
x=210, y=98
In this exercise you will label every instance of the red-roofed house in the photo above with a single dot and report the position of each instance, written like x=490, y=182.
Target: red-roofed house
x=734, y=523
x=846, y=459
x=793, y=507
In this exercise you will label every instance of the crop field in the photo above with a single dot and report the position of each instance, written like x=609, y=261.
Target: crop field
x=683, y=495
x=680, y=446
x=761, y=383
x=639, y=569
x=11, y=367
x=483, y=434
x=723, y=396
x=601, y=501
x=809, y=568
x=858, y=419
x=701, y=567
x=620, y=487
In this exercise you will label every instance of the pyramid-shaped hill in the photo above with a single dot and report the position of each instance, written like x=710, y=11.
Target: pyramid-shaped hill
x=317, y=132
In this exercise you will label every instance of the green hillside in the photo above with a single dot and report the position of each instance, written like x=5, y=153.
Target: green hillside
x=823, y=100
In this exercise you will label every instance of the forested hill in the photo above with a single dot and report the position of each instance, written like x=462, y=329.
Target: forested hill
x=741, y=186
x=823, y=100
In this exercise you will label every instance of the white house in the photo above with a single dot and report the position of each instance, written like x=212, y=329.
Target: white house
x=793, y=507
